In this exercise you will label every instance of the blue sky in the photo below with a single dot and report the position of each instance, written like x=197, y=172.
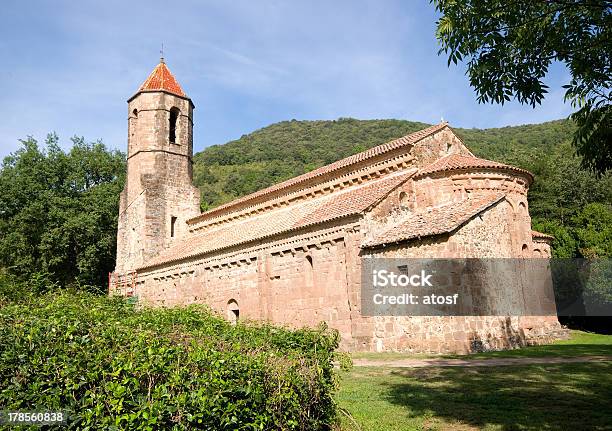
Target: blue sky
x=70, y=66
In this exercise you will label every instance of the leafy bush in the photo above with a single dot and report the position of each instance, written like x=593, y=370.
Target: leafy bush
x=112, y=365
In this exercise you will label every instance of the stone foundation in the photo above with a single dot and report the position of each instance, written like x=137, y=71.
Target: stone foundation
x=459, y=334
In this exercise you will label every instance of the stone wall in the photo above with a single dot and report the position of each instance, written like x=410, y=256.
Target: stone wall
x=498, y=232
x=275, y=281
x=295, y=280
x=541, y=247
x=159, y=185
x=306, y=276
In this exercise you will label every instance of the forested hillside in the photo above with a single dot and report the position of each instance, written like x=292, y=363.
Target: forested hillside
x=565, y=200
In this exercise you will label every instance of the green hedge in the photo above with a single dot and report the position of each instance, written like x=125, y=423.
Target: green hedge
x=112, y=365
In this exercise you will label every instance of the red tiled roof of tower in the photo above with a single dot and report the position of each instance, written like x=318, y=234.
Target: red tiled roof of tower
x=436, y=221
x=410, y=139
x=162, y=79
x=536, y=234
x=351, y=201
x=455, y=162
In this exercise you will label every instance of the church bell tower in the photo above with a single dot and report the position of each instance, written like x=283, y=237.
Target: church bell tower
x=158, y=197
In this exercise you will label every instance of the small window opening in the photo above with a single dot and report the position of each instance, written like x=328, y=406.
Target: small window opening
x=449, y=146
x=172, y=226
x=524, y=250
x=403, y=199
x=308, y=271
x=233, y=312
x=174, y=113
x=132, y=128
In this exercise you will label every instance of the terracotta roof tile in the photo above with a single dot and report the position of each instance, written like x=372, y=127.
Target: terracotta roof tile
x=162, y=79
x=457, y=161
x=410, y=139
x=536, y=234
x=351, y=201
x=435, y=221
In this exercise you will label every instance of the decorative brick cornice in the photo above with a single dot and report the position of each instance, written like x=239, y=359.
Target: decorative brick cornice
x=360, y=161
x=458, y=162
x=327, y=233
x=292, y=218
x=541, y=236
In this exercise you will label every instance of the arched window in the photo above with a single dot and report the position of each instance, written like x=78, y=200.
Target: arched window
x=524, y=250
x=233, y=312
x=403, y=199
x=308, y=271
x=172, y=226
x=174, y=114
x=132, y=127
x=521, y=213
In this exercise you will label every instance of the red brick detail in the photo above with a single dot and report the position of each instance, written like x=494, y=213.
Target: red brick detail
x=162, y=79
x=323, y=171
x=455, y=162
x=540, y=235
x=327, y=208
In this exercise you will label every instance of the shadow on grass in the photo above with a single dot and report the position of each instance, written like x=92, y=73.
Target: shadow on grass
x=552, y=350
x=551, y=397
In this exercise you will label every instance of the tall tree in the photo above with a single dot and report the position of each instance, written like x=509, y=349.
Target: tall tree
x=58, y=211
x=510, y=44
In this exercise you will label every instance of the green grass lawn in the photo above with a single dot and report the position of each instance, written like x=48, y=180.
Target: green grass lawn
x=574, y=396
x=580, y=344
x=533, y=397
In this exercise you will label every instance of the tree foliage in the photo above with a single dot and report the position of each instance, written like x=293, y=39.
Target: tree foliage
x=58, y=211
x=593, y=227
x=510, y=45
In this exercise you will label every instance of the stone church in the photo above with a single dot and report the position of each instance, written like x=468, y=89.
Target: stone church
x=291, y=254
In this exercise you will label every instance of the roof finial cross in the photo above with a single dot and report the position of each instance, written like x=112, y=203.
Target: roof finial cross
x=161, y=51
